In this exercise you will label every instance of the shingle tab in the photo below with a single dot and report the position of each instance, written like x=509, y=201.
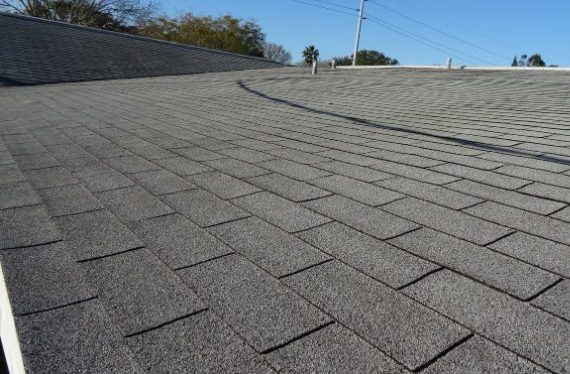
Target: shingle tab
x=272, y=249
x=372, y=221
x=263, y=311
x=514, y=277
x=201, y=344
x=204, y=208
x=97, y=234
x=160, y=182
x=511, y=323
x=333, y=349
x=449, y=221
x=283, y=213
x=407, y=331
x=556, y=300
x=288, y=188
x=70, y=199
x=139, y=292
x=369, y=255
x=178, y=241
x=133, y=204
x=223, y=185
x=26, y=226
x=18, y=194
x=43, y=277
x=73, y=339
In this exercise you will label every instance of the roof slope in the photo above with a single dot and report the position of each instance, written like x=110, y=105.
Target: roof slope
x=39, y=51
x=271, y=221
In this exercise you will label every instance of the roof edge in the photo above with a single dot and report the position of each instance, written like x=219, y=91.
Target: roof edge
x=8, y=334
x=130, y=36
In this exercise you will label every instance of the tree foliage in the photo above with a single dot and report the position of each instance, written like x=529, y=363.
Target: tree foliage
x=534, y=61
x=367, y=57
x=310, y=54
x=117, y=15
x=225, y=33
x=276, y=52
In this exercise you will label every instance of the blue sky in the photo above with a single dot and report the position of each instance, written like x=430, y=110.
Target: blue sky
x=491, y=31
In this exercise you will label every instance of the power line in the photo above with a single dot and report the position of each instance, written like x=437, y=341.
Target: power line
x=337, y=5
x=439, y=31
x=425, y=41
x=324, y=7
x=459, y=25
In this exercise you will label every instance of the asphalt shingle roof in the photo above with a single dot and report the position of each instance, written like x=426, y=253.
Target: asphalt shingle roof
x=39, y=51
x=390, y=221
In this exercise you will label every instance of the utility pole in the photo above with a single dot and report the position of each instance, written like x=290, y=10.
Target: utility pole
x=358, y=27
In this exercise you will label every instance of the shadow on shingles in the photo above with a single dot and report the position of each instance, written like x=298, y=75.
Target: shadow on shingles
x=5, y=81
x=364, y=122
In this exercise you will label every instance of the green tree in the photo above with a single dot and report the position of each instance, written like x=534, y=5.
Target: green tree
x=367, y=57
x=536, y=61
x=225, y=33
x=515, y=62
x=310, y=54
x=117, y=15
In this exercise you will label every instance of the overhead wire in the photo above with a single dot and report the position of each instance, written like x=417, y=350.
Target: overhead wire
x=324, y=7
x=466, y=42
x=403, y=31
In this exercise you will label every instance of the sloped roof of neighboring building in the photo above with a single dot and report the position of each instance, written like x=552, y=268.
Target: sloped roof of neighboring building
x=36, y=51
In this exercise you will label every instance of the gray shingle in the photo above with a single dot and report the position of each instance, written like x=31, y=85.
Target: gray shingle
x=288, y=188
x=373, y=257
x=511, y=198
x=449, y=221
x=182, y=166
x=247, y=155
x=283, y=213
x=70, y=199
x=223, y=185
x=236, y=168
x=537, y=251
x=526, y=161
x=547, y=191
x=201, y=344
x=36, y=161
x=131, y=164
x=10, y=174
x=26, y=226
x=479, y=355
x=272, y=249
x=139, y=292
x=556, y=300
x=18, y=194
x=564, y=214
x=524, y=221
x=264, y=312
x=505, y=273
x=429, y=192
x=178, y=241
x=78, y=338
x=133, y=204
x=204, y=208
x=511, y=323
x=536, y=175
x=198, y=154
x=353, y=171
x=160, y=182
x=43, y=277
x=487, y=177
x=360, y=191
x=99, y=179
x=333, y=349
x=405, y=330
x=96, y=234
x=371, y=221
x=412, y=172
x=297, y=156
x=293, y=169
x=18, y=149
x=50, y=177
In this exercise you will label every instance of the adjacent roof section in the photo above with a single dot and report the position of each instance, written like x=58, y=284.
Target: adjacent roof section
x=39, y=51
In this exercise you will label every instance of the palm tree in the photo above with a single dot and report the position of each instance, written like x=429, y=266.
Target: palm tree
x=310, y=54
